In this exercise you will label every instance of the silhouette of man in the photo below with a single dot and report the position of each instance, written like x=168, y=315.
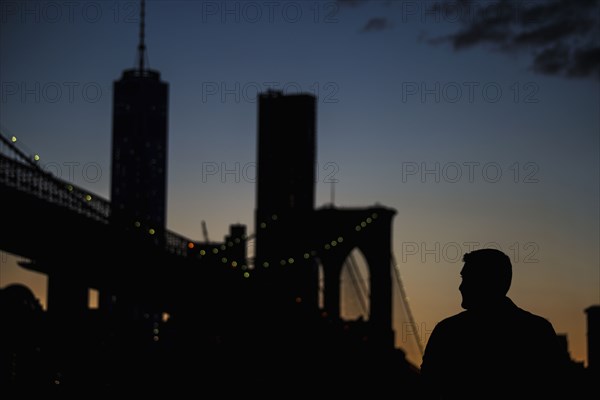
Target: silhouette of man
x=494, y=349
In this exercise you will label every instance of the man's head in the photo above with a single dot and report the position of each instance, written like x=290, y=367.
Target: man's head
x=486, y=278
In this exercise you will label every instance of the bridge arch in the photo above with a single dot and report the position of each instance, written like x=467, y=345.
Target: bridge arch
x=355, y=287
x=369, y=231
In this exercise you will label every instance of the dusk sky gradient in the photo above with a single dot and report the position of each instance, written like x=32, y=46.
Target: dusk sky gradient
x=533, y=148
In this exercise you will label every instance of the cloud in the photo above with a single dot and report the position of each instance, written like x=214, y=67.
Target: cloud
x=377, y=24
x=374, y=24
x=563, y=36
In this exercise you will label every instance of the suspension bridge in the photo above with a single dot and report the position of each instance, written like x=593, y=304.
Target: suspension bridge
x=67, y=234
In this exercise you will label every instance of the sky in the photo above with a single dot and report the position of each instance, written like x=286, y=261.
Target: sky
x=478, y=134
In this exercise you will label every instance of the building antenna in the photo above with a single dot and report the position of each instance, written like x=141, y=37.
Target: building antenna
x=142, y=45
x=205, y=232
x=332, y=193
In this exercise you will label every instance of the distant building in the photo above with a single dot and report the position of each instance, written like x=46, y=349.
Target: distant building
x=285, y=192
x=139, y=147
x=139, y=152
x=286, y=152
x=567, y=360
x=593, y=334
x=231, y=252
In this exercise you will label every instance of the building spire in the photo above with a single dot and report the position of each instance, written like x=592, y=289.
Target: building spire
x=142, y=45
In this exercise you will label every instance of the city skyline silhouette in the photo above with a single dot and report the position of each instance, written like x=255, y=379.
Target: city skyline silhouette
x=279, y=309
x=423, y=166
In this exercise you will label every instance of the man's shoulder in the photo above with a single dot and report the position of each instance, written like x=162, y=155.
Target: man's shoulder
x=453, y=321
x=534, y=320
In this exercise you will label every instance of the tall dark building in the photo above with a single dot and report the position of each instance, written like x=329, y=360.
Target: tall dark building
x=285, y=201
x=286, y=152
x=139, y=146
x=285, y=195
x=593, y=333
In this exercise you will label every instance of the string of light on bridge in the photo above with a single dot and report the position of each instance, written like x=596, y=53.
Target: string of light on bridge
x=36, y=157
x=224, y=249
x=307, y=254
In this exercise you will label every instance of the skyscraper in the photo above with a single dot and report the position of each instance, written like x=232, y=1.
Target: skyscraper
x=139, y=146
x=285, y=195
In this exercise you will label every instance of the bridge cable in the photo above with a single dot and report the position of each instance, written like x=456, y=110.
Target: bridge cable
x=20, y=153
x=354, y=278
x=406, y=305
x=47, y=175
x=361, y=281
